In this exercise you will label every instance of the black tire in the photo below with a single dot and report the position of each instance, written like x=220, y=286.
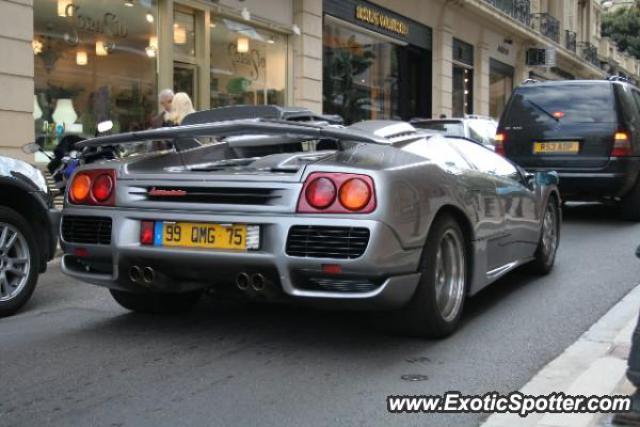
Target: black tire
x=422, y=316
x=630, y=204
x=13, y=303
x=545, y=254
x=156, y=303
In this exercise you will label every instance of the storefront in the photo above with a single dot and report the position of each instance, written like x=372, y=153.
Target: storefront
x=462, y=94
x=376, y=63
x=98, y=60
x=501, y=85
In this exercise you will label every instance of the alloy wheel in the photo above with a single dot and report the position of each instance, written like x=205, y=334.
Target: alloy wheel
x=450, y=273
x=549, y=230
x=15, y=264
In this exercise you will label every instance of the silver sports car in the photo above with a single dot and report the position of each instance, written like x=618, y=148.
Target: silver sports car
x=374, y=215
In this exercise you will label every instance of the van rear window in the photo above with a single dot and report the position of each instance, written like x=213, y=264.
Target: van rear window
x=570, y=103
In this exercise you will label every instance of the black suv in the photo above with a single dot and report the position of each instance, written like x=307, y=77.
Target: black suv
x=588, y=131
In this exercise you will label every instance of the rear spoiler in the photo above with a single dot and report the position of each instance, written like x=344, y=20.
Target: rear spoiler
x=237, y=127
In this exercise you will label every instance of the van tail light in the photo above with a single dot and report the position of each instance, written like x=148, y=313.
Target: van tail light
x=501, y=139
x=621, y=145
x=337, y=193
x=93, y=187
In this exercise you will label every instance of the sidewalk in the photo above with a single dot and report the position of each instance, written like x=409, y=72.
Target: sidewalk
x=594, y=365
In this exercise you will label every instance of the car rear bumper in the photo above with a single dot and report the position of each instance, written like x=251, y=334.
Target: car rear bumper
x=613, y=181
x=384, y=276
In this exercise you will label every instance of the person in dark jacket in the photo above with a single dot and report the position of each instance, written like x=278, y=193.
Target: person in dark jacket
x=165, y=99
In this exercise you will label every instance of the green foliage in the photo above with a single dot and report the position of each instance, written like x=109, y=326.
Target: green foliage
x=623, y=27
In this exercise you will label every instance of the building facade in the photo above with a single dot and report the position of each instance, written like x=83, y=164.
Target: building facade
x=74, y=63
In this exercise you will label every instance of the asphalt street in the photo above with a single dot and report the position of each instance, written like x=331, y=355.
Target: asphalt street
x=73, y=357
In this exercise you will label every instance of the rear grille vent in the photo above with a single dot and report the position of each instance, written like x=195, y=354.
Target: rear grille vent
x=220, y=195
x=86, y=229
x=327, y=242
x=339, y=285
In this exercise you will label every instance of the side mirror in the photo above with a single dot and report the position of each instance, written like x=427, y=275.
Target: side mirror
x=105, y=126
x=30, y=148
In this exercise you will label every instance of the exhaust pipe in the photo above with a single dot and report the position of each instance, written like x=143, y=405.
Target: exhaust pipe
x=257, y=282
x=148, y=275
x=135, y=274
x=242, y=281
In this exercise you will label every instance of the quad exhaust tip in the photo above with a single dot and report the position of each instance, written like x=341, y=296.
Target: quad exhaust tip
x=135, y=274
x=257, y=282
x=242, y=281
x=148, y=275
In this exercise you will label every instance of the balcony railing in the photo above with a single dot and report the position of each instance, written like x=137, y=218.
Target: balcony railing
x=547, y=25
x=518, y=9
x=589, y=52
x=570, y=40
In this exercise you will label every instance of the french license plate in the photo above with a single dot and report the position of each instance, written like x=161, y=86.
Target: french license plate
x=560, y=147
x=203, y=235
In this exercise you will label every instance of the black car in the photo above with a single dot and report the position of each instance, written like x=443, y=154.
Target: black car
x=28, y=232
x=587, y=131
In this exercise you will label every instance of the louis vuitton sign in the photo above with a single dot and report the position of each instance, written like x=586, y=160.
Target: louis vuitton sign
x=381, y=20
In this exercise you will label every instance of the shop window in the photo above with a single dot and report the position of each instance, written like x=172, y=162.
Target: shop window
x=248, y=64
x=501, y=85
x=94, y=60
x=366, y=77
x=184, y=33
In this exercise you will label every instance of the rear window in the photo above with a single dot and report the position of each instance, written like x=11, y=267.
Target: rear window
x=453, y=128
x=570, y=103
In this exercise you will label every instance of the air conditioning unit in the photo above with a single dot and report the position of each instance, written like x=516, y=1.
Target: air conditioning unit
x=544, y=57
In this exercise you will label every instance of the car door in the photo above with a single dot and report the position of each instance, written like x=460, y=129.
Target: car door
x=519, y=233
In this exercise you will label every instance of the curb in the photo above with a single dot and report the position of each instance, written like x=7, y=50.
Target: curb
x=593, y=365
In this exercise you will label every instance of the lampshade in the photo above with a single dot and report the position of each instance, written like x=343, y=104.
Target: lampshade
x=101, y=49
x=179, y=34
x=64, y=112
x=37, y=111
x=63, y=8
x=82, y=58
x=243, y=45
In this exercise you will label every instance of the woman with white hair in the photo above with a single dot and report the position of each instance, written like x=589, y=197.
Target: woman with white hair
x=181, y=106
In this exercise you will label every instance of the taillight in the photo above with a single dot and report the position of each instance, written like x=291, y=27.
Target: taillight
x=355, y=194
x=93, y=187
x=337, y=193
x=500, y=139
x=321, y=193
x=621, y=145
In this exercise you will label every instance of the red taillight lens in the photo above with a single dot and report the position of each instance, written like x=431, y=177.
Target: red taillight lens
x=321, y=193
x=621, y=145
x=80, y=188
x=146, y=232
x=501, y=138
x=355, y=194
x=93, y=187
x=102, y=187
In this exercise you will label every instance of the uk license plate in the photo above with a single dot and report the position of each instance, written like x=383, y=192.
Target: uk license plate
x=556, y=147
x=203, y=235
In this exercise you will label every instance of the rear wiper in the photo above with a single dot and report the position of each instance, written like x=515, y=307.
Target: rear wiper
x=543, y=110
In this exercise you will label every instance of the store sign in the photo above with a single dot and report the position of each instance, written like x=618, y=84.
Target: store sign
x=381, y=20
x=251, y=65
x=108, y=23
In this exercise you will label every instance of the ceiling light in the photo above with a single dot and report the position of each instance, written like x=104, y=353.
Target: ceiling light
x=128, y=3
x=153, y=42
x=101, y=48
x=243, y=45
x=64, y=9
x=150, y=51
x=82, y=58
x=149, y=17
x=246, y=15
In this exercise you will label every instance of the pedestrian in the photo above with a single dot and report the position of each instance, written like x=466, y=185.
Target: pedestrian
x=180, y=108
x=165, y=99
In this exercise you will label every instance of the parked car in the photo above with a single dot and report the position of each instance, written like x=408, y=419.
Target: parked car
x=28, y=232
x=587, y=131
x=386, y=218
x=477, y=128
